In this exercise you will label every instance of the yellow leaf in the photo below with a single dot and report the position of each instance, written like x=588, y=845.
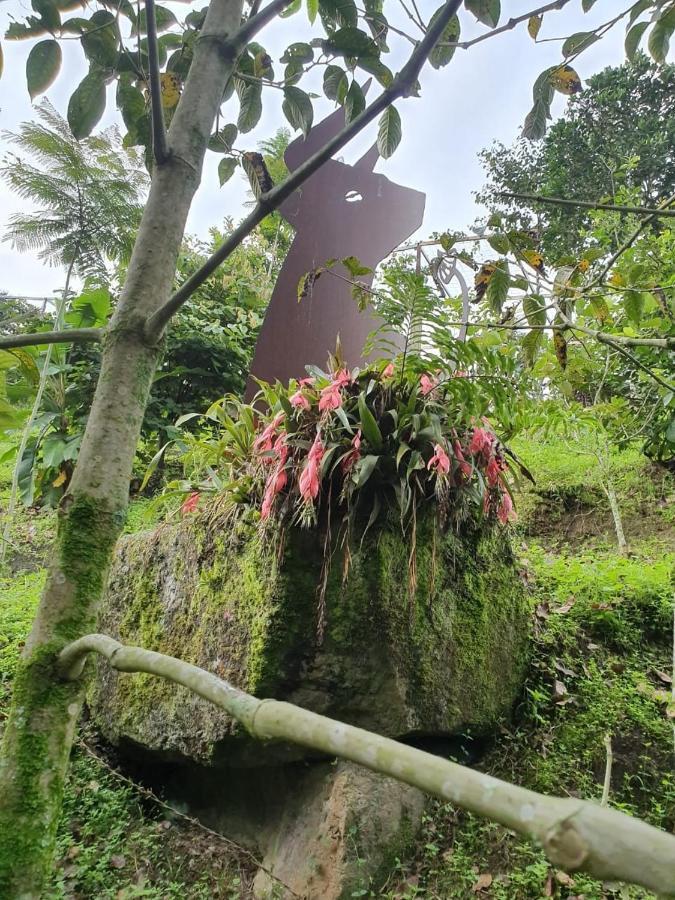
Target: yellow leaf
x=565, y=80
x=534, y=25
x=534, y=259
x=482, y=279
x=583, y=265
x=170, y=85
x=60, y=479
x=616, y=278
x=560, y=347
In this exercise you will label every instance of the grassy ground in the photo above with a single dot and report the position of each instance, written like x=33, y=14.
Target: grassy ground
x=601, y=666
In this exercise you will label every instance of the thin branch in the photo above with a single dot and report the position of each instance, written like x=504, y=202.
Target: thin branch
x=628, y=243
x=272, y=199
x=258, y=20
x=68, y=336
x=608, y=770
x=575, y=834
x=159, y=144
x=508, y=26
x=583, y=204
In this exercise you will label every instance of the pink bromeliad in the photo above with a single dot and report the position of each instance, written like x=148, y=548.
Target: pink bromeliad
x=440, y=461
x=309, y=479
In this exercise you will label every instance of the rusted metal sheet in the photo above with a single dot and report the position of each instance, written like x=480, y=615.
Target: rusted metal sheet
x=342, y=210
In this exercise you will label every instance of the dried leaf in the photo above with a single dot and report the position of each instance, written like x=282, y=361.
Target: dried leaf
x=664, y=676
x=565, y=80
x=559, y=690
x=170, y=85
x=118, y=861
x=566, y=606
x=534, y=26
x=484, y=881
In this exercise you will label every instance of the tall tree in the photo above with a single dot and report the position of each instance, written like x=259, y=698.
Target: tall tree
x=617, y=134
x=217, y=56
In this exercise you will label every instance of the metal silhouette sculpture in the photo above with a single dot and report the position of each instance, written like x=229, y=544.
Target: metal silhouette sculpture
x=342, y=210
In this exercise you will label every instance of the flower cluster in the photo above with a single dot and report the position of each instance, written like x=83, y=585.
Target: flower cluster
x=370, y=434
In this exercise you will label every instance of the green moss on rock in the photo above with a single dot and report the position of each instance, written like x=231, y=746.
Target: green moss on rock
x=446, y=656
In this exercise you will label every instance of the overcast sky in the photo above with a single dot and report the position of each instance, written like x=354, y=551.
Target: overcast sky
x=481, y=96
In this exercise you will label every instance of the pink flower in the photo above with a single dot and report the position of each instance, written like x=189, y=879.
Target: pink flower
x=306, y=381
x=459, y=373
x=264, y=441
x=440, y=461
x=506, y=512
x=342, y=378
x=427, y=384
x=281, y=449
x=330, y=398
x=465, y=467
x=492, y=472
x=299, y=400
x=309, y=479
x=388, y=371
x=354, y=454
x=190, y=504
x=275, y=484
x=481, y=442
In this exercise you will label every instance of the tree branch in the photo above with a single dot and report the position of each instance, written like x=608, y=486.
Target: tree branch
x=270, y=201
x=159, y=144
x=575, y=834
x=583, y=204
x=258, y=20
x=70, y=335
x=508, y=26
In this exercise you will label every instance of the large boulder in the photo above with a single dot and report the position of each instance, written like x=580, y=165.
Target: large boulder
x=416, y=636
x=421, y=637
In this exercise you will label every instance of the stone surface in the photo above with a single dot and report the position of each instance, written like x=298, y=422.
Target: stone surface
x=424, y=661
x=444, y=658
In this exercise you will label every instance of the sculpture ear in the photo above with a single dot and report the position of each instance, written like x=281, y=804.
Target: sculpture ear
x=368, y=160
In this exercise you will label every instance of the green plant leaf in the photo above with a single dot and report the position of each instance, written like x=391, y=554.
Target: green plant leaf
x=498, y=286
x=530, y=345
x=633, y=39
x=364, y=469
x=335, y=83
x=486, y=11
x=355, y=102
x=250, y=104
x=164, y=17
x=226, y=168
x=42, y=66
x=351, y=41
x=389, y=132
x=87, y=104
x=659, y=37
x=298, y=52
x=355, y=266
x=534, y=309
x=312, y=10
x=101, y=38
x=369, y=426
x=441, y=54
x=634, y=305
x=223, y=140
x=579, y=41
x=297, y=107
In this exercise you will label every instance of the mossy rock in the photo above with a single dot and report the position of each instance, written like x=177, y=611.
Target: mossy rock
x=441, y=658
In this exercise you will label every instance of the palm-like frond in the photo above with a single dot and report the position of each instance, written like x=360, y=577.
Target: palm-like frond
x=87, y=193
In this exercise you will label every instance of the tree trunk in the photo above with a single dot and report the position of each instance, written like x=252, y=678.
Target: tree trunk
x=616, y=516
x=40, y=729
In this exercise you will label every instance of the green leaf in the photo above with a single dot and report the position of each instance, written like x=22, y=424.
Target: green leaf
x=659, y=38
x=164, y=17
x=100, y=40
x=587, y=4
x=312, y=10
x=633, y=39
x=534, y=127
x=87, y=104
x=530, y=345
x=297, y=107
x=486, y=11
x=575, y=43
x=379, y=28
x=533, y=307
x=226, y=168
x=250, y=104
x=637, y=10
x=376, y=67
x=53, y=450
x=298, y=52
x=130, y=102
x=355, y=266
x=291, y=9
x=335, y=83
x=355, y=102
x=42, y=66
x=364, y=469
x=634, y=305
x=499, y=242
x=369, y=426
x=351, y=42
x=498, y=286
x=389, y=132
x=223, y=140
x=440, y=54
x=338, y=14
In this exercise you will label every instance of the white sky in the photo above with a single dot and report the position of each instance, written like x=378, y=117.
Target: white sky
x=482, y=95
